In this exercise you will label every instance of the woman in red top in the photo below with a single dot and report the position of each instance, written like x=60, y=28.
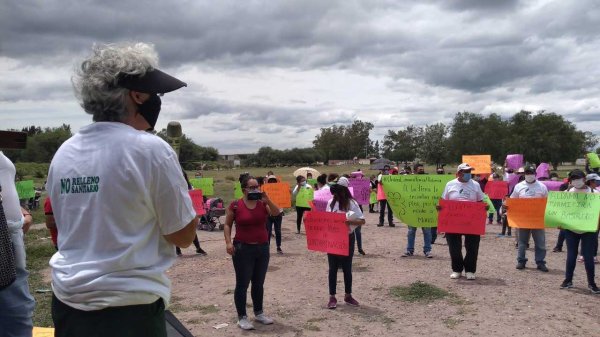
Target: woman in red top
x=250, y=248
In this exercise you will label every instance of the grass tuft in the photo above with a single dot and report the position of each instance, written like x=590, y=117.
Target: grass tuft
x=419, y=292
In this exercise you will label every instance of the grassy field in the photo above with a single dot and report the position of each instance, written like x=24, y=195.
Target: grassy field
x=40, y=249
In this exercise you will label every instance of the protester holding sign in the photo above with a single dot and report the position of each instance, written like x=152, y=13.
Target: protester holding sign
x=275, y=221
x=249, y=248
x=121, y=205
x=531, y=188
x=383, y=204
x=301, y=188
x=587, y=239
x=463, y=188
x=342, y=202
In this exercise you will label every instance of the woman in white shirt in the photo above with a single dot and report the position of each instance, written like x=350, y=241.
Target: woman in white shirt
x=342, y=202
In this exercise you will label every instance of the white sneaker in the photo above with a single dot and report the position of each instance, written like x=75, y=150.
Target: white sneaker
x=245, y=324
x=455, y=275
x=264, y=319
x=470, y=276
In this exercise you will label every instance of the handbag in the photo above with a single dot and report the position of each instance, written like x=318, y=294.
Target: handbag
x=8, y=269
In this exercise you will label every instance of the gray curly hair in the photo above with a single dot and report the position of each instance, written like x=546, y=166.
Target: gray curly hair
x=95, y=82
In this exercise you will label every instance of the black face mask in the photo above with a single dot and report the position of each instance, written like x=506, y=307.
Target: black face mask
x=150, y=110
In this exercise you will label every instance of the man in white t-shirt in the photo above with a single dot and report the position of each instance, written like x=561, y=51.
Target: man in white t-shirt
x=463, y=188
x=531, y=188
x=120, y=201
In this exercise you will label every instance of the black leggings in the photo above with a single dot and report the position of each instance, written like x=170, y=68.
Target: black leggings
x=299, y=213
x=335, y=261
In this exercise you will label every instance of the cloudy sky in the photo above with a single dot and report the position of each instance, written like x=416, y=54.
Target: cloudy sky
x=274, y=72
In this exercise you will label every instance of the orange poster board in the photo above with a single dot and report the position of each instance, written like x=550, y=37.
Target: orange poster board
x=279, y=193
x=481, y=163
x=526, y=212
x=42, y=332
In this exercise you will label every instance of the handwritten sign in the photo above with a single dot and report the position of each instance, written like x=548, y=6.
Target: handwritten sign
x=542, y=171
x=237, y=190
x=321, y=198
x=304, y=196
x=593, y=159
x=42, y=332
x=552, y=185
x=327, y=232
x=513, y=180
x=573, y=211
x=496, y=189
x=25, y=189
x=480, y=163
x=373, y=198
x=413, y=197
x=462, y=217
x=526, y=212
x=205, y=184
x=279, y=193
x=197, y=201
x=514, y=161
x=361, y=190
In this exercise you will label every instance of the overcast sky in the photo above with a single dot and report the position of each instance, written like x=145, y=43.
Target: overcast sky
x=274, y=72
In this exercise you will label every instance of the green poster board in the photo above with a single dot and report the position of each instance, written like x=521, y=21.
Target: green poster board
x=25, y=189
x=237, y=190
x=304, y=196
x=413, y=197
x=204, y=184
x=593, y=159
x=373, y=198
x=311, y=182
x=573, y=211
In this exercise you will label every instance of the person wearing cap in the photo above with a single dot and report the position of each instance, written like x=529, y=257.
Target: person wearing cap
x=119, y=199
x=531, y=188
x=463, y=188
x=573, y=238
x=383, y=204
x=342, y=202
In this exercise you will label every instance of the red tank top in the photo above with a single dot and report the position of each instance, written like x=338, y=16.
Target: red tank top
x=250, y=224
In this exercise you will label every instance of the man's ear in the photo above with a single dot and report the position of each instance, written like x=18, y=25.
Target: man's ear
x=136, y=96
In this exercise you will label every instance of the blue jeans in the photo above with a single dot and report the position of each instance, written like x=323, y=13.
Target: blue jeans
x=275, y=220
x=358, y=235
x=412, y=232
x=250, y=263
x=539, y=239
x=16, y=303
x=587, y=250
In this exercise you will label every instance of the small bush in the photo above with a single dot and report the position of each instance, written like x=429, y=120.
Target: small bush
x=419, y=292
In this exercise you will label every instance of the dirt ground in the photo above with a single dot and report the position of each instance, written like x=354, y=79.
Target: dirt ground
x=502, y=301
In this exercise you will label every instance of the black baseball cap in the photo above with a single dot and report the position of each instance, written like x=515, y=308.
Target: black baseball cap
x=152, y=82
x=529, y=169
x=576, y=174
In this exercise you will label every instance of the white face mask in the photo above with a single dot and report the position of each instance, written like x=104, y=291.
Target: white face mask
x=578, y=183
x=529, y=178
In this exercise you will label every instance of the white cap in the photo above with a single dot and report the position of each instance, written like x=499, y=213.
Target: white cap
x=592, y=176
x=343, y=181
x=463, y=167
x=521, y=170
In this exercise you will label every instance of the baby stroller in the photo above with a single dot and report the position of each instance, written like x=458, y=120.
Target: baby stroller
x=214, y=210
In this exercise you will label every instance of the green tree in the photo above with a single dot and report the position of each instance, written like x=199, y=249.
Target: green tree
x=433, y=147
x=402, y=145
x=344, y=142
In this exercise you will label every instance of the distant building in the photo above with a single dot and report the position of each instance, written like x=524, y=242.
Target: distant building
x=233, y=160
x=356, y=161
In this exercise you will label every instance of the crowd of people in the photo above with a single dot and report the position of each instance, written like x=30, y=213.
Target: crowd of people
x=120, y=206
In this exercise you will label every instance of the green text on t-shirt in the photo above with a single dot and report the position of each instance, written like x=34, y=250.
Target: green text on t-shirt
x=79, y=185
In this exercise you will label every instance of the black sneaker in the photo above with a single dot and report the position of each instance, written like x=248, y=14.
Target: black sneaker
x=380, y=225
x=521, y=265
x=200, y=251
x=279, y=251
x=557, y=250
x=594, y=289
x=566, y=285
x=542, y=267
x=392, y=224
x=361, y=252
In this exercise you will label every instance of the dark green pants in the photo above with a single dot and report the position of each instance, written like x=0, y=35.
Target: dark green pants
x=146, y=320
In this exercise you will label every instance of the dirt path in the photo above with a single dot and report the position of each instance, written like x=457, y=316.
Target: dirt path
x=501, y=302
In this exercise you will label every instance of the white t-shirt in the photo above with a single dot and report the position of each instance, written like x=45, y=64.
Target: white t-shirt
x=10, y=198
x=527, y=190
x=115, y=192
x=358, y=214
x=456, y=190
